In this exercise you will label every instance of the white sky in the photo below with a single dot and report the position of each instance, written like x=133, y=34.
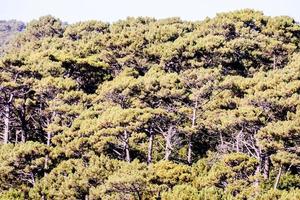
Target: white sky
x=113, y=10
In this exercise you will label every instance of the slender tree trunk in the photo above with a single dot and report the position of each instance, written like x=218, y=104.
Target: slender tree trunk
x=238, y=140
x=266, y=169
x=139, y=196
x=258, y=170
x=168, y=150
x=237, y=144
x=221, y=139
x=126, y=146
x=6, y=124
x=17, y=137
x=7, y=120
x=46, y=167
x=47, y=156
x=278, y=177
x=32, y=179
x=274, y=61
x=190, y=139
x=150, y=148
x=23, y=137
x=168, y=139
x=256, y=182
x=48, y=139
x=190, y=151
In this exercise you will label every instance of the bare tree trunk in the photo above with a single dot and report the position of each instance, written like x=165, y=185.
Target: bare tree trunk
x=139, y=196
x=47, y=156
x=221, y=139
x=150, y=148
x=266, y=169
x=126, y=146
x=16, y=137
x=274, y=61
x=6, y=124
x=23, y=137
x=258, y=169
x=256, y=182
x=7, y=120
x=278, y=177
x=168, y=138
x=32, y=181
x=168, y=150
x=238, y=140
x=190, y=145
x=48, y=139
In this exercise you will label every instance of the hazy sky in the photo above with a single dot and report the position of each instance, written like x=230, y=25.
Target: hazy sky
x=112, y=10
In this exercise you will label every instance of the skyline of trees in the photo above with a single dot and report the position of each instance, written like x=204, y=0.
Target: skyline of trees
x=152, y=109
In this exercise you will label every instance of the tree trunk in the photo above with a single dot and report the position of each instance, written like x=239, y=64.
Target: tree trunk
x=266, y=169
x=48, y=144
x=23, y=137
x=256, y=182
x=190, y=145
x=168, y=150
x=139, y=196
x=32, y=181
x=48, y=139
x=221, y=139
x=7, y=120
x=17, y=137
x=278, y=177
x=126, y=146
x=274, y=61
x=150, y=148
x=6, y=124
x=258, y=170
x=168, y=139
x=238, y=140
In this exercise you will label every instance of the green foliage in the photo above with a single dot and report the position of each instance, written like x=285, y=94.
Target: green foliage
x=186, y=192
x=198, y=110
x=12, y=194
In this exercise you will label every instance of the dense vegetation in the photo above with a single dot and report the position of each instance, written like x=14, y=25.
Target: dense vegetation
x=152, y=109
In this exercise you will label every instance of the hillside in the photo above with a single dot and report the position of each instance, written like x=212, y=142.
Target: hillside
x=8, y=29
x=152, y=109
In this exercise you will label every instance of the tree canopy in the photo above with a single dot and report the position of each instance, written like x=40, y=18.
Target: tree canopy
x=152, y=109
